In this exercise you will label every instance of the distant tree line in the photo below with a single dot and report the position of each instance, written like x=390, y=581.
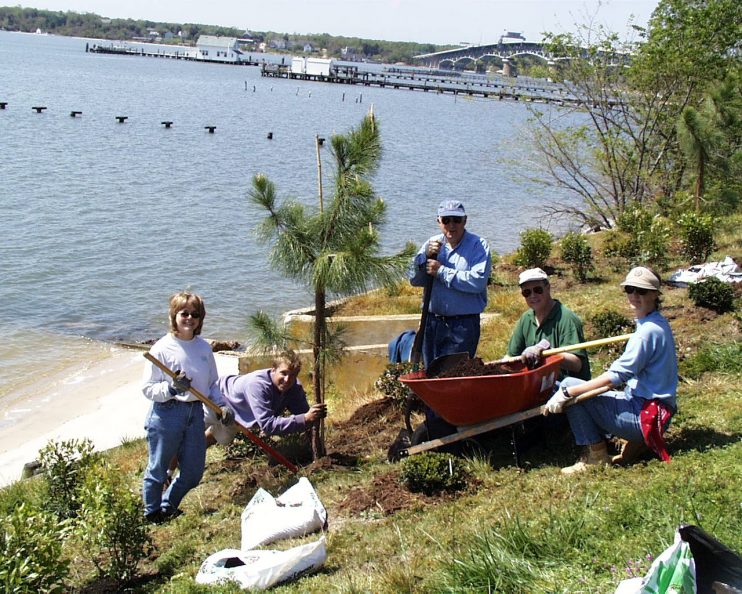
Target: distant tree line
x=95, y=26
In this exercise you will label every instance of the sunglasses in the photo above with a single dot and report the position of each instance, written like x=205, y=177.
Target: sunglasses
x=189, y=314
x=527, y=292
x=628, y=289
x=446, y=220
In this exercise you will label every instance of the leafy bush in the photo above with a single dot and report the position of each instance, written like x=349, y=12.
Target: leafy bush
x=644, y=238
x=610, y=323
x=112, y=525
x=697, y=236
x=388, y=382
x=725, y=358
x=535, y=248
x=65, y=464
x=31, y=552
x=712, y=294
x=577, y=251
x=432, y=472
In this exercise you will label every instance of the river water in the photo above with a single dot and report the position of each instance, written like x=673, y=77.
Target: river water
x=102, y=221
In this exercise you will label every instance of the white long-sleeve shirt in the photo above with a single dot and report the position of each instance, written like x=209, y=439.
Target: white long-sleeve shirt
x=194, y=356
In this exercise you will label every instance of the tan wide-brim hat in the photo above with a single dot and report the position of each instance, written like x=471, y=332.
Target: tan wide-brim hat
x=642, y=278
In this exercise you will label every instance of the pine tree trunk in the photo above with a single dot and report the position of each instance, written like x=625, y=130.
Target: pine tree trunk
x=318, y=431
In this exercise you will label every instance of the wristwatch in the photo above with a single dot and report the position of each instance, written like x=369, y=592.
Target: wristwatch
x=565, y=391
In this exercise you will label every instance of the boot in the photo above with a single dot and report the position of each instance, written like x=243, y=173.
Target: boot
x=630, y=453
x=596, y=455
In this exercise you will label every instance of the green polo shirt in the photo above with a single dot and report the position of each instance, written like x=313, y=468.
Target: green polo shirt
x=561, y=328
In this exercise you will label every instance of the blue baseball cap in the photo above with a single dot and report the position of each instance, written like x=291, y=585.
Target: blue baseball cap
x=451, y=208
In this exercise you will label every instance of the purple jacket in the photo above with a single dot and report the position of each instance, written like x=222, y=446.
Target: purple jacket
x=255, y=400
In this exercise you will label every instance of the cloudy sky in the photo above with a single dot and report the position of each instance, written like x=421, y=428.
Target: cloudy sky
x=429, y=21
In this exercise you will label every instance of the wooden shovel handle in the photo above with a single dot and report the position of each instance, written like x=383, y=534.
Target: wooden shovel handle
x=572, y=347
x=215, y=407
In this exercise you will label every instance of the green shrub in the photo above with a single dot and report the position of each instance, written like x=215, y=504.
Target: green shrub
x=577, y=251
x=65, y=465
x=610, y=323
x=726, y=358
x=535, y=248
x=31, y=552
x=432, y=472
x=388, y=382
x=712, y=294
x=644, y=238
x=697, y=236
x=112, y=526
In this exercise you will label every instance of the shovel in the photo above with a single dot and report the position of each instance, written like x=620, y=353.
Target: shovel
x=447, y=362
x=213, y=406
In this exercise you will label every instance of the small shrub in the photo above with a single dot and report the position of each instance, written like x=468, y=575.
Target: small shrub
x=31, y=552
x=432, y=472
x=712, y=294
x=388, y=382
x=112, y=525
x=697, y=236
x=643, y=238
x=610, y=323
x=65, y=465
x=535, y=248
x=577, y=251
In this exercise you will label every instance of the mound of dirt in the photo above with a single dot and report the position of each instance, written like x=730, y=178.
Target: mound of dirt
x=476, y=367
x=369, y=430
x=385, y=495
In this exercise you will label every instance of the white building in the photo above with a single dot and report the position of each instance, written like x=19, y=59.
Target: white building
x=218, y=49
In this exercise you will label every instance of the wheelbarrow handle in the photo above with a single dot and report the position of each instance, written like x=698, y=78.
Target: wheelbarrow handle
x=572, y=347
x=215, y=407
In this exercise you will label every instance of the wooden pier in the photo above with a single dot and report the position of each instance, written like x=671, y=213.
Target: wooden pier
x=415, y=81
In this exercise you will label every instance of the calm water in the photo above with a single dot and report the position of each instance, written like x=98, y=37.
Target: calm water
x=102, y=221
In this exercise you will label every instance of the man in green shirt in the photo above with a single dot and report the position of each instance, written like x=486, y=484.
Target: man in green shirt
x=547, y=324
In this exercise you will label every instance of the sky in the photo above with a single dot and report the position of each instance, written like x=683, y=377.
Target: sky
x=424, y=21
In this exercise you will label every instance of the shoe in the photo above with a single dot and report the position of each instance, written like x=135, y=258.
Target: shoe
x=630, y=453
x=171, y=514
x=596, y=455
x=155, y=517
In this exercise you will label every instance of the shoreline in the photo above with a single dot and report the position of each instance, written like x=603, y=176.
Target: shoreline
x=102, y=402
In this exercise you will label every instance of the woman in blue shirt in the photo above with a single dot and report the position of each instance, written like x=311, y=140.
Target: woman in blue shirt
x=648, y=369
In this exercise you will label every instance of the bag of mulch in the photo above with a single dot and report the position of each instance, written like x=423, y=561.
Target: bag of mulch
x=262, y=569
x=673, y=572
x=297, y=512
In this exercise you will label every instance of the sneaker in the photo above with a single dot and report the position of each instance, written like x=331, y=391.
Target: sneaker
x=155, y=517
x=596, y=455
x=171, y=514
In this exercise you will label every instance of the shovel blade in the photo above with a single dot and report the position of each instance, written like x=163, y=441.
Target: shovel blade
x=445, y=362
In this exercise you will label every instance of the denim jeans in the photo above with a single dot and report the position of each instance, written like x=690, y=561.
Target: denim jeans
x=445, y=336
x=610, y=413
x=173, y=428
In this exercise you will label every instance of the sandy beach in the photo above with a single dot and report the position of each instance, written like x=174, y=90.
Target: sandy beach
x=101, y=401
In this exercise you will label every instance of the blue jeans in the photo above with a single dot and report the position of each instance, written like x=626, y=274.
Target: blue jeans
x=444, y=336
x=610, y=413
x=173, y=428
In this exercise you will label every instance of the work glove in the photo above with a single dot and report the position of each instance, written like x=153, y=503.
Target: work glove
x=226, y=415
x=531, y=356
x=181, y=382
x=555, y=404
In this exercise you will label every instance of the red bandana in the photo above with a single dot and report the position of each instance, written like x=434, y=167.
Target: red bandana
x=655, y=417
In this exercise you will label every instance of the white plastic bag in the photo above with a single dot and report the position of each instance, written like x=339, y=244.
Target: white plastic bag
x=673, y=572
x=262, y=569
x=295, y=513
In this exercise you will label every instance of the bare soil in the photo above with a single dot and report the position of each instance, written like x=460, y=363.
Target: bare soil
x=476, y=367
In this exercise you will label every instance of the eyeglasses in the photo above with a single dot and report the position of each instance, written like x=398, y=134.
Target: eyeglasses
x=189, y=314
x=628, y=289
x=446, y=220
x=527, y=292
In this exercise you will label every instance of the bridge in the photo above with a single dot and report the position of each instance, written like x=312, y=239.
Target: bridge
x=503, y=51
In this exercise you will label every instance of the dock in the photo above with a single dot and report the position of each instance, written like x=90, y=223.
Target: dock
x=419, y=81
